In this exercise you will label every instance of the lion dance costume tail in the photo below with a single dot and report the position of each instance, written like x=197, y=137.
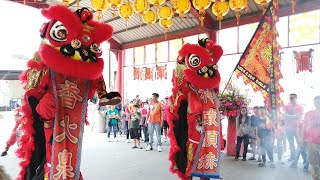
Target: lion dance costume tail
x=61, y=77
x=194, y=120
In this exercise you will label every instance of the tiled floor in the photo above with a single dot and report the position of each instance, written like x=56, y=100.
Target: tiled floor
x=102, y=160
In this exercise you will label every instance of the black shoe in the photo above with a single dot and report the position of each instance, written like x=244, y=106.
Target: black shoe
x=261, y=164
x=236, y=158
x=244, y=159
x=4, y=153
x=252, y=158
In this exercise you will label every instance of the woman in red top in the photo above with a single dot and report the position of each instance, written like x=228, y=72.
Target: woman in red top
x=13, y=137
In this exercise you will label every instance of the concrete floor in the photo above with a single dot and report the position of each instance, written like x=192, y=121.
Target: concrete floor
x=102, y=160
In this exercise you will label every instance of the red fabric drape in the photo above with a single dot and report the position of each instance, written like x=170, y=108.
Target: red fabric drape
x=231, y=136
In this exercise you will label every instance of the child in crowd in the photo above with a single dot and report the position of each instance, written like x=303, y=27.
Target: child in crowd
x=134, y=125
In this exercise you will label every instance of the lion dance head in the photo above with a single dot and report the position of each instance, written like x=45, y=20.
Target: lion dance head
x=71, y=42
x=200, y=63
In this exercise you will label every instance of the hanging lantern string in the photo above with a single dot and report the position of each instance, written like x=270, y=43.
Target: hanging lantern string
x=247, y=5
x=126, y=24
x=293, y=3
x=140, y=21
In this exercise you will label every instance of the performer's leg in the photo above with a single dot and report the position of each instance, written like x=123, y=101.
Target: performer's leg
x=279, y=147
x=263, y=149
x=108, y=130
x=158, y=133
x=127, y=128
x=238, y=146
x=146, y=133
x=269, y=147
x=290, y=137
x=246, y=144
x=5, y=152
x=115, y=130
x=151, y=130
x=314, y=160
x=304, y=155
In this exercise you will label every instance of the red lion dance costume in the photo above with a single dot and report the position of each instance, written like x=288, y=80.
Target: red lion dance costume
x=62, y=76
x=194, y=112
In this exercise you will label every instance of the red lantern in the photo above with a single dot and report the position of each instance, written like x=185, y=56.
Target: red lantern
x=303, y=60
x=161, y=72
x=136, y=73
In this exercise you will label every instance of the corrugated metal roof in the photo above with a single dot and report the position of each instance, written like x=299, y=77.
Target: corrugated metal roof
x=254, y=8
x=135, y=32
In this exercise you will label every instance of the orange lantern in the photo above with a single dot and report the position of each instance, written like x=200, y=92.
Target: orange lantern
x=174, y=3
x=157, y=3
x=114, y=5
x=263, y=3
x=237, y=5
x=149, y=17
x=141, y=6
x=201, y=6
x=220, y=9
x=165, y=12
x=182, y=7
x=126, y=12
x=166, y=24
x=99, y=6
x=66, y=2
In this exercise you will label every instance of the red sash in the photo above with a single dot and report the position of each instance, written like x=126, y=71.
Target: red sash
x=71, y=98
x=207, y=160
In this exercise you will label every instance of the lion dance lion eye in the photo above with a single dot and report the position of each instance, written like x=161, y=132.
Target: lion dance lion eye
x=58, y=32
x=194, y=61
x=95, y=48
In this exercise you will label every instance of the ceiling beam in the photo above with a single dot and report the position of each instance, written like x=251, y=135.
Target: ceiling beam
x=32, y=3
x=208, y=20
x=170, y=36
x=114, y=45
x=256, y=16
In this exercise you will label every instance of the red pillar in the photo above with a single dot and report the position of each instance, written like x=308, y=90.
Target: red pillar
x=119, y=85
x=213, y=36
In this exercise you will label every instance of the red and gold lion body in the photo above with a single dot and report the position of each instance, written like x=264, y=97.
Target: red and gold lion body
x=62, y=76
x=193, y=112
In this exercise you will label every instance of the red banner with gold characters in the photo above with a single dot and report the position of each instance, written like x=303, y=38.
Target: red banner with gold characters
x=259, y=65
x=150, y=73
x=303, y=60
x=71, y=94
x=207, y=160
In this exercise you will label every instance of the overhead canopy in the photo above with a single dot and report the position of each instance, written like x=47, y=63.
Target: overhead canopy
x=137, y=32
x=9, y=75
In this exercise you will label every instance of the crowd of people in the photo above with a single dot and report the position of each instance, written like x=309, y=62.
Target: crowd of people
x=299, y=129
x=138, y=119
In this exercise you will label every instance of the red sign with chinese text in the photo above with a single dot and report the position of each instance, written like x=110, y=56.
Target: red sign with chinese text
x=207, y=161
x=71, y=94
